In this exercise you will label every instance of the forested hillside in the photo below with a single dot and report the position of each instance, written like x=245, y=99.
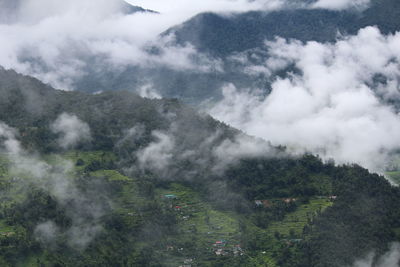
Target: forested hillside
x=113, y=179
x=222, y=35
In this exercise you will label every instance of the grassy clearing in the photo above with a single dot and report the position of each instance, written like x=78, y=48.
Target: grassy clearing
x=111, y=175
x=89, y=157
x=5, y=228
x=295, y=221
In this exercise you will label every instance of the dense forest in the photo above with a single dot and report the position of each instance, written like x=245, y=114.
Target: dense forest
x=155, y=183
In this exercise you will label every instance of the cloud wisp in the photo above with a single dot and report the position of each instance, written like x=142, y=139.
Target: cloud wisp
x=390, y=259
x=71, y=129
x=340, y=4
x=189, y=8
x=168, y=155
x=84, y=210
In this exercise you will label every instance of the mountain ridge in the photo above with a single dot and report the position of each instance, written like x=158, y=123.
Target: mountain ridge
x=104, y=202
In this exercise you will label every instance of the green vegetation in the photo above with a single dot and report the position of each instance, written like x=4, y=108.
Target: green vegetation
x=292, y=226
x=170, y=223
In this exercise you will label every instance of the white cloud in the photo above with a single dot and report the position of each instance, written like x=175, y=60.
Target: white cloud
x=329, y=108
x=158, y=154
x=241, y=147
x=390, y=259
x=188, y=8
x=148, y=91
x=72, y=130
x=9, y=142
x=46, y=232
x=341, y=4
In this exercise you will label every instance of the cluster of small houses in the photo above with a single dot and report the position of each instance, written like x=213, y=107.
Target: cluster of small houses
x=7, y=234
x=187, y=263
x=269, y=203
x=177, y=208
x=220, y=249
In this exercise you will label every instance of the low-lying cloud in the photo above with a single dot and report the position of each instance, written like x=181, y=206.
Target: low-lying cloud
x=158, y=154
x=390, y=259
x=169, y=154
x=71, y=129
x=84, y=210
x=188, y=8
x=330, y=104
x=341, y=4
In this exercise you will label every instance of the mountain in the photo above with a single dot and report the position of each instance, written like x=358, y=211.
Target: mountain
x=220, y=38
x=113, y=179
x=222, y=35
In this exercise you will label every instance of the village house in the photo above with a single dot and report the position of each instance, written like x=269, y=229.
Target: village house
x=188, y=261
x=220, y=243
x=332, y=198
x=237, y=251
x=289, y=200
x=8, y=234
x=221, y=252
x=169, y=196
x=263, y=203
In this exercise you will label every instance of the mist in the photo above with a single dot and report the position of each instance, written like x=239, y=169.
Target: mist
x=59, y=42
x=57, y=179
x=389, y=259
x=71, y=129
x=341, y=4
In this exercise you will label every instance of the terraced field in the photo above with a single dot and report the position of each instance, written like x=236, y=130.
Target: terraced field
x=293, y=223
x=201, y=228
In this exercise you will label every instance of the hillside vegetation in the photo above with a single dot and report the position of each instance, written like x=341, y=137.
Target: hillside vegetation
x=104, y=203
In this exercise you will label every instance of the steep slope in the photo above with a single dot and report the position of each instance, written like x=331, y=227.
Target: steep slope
x=26, y=102
x=157, y=184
